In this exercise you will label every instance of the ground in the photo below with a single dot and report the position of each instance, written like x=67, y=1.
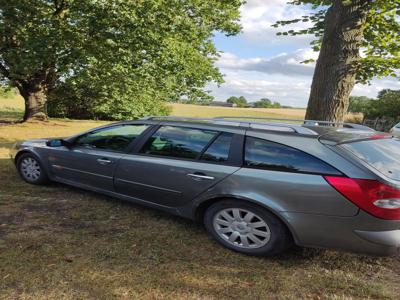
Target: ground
x=58, y=242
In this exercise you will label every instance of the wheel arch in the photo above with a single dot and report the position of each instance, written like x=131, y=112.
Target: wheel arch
x=28, y=151
x=201, y=208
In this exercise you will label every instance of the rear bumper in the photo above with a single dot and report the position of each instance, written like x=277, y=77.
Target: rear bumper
x=362, y=233
x=385, y=238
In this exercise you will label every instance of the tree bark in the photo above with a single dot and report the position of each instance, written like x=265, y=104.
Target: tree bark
x=35, y=98
x=336, y=68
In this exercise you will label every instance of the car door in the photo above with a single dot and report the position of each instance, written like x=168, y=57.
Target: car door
x=176, y=164
x=92, y=158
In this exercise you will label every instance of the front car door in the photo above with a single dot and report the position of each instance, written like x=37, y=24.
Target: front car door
x=176, y=164
x=93, y=157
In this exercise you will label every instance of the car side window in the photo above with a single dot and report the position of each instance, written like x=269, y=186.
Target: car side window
x=179, y=142
x=116, y=138
x=218, y=151
x=272, y=156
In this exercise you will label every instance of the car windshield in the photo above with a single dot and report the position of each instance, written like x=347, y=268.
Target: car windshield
x=381, y=154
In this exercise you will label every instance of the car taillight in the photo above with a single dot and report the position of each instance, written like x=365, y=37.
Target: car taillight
x=372, y=196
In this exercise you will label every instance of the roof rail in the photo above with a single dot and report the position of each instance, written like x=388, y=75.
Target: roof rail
x=307, y=123
x=230, y=121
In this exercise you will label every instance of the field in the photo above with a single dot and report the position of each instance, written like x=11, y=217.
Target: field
x=58, y=242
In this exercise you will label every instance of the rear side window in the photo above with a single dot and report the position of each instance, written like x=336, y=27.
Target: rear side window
x=277, y=157
x=219, y=149
x=178, y=142
x=381, y=154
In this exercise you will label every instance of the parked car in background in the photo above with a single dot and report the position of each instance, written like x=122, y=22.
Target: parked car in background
x=395, y=131
x=258, y=186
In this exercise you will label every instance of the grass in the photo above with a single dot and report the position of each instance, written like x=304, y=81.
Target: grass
x=58, y=242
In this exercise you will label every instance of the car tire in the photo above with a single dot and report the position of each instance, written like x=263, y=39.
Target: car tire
x=31, y=169
x=247, y=228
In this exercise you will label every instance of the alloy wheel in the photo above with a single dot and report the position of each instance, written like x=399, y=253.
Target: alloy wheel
x=241, y=228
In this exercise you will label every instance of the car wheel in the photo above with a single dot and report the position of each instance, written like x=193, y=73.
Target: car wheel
x=247, y=228
x=31, y=170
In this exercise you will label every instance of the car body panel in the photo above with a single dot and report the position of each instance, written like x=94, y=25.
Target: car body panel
x=83, y=165
x=285, y=192
x=166, y=181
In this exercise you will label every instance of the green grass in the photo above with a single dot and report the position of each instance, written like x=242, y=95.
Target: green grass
x=58, y=242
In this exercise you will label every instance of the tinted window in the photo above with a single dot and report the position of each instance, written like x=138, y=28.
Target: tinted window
x=383, y=155
x=178, y=142
x=219, y=149
x=116, y=138
x=272, y=156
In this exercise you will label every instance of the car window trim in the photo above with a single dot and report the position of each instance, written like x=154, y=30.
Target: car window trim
x=235, y=157
x=339, y=173
x=219, y=133
x=125, y=151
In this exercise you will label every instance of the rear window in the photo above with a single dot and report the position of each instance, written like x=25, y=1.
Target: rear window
x=382, y=154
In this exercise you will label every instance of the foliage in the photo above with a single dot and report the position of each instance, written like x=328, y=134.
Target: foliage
x=239, y=101
x=381, y=42
x=266, y=103
x=110, y=52
x=386, y=105
x=7, y=92
x=359, y=104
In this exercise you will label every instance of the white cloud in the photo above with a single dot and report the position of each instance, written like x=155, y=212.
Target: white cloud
x=283, y=63
x=281, y=78
x=258, y=16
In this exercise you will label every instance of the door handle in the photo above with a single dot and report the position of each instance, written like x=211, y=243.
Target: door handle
x=104, y=161
x=200, y=176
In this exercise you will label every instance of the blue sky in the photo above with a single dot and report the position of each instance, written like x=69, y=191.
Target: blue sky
x=257, y=63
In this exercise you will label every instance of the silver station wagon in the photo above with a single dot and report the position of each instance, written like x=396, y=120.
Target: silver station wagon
x=259, y=186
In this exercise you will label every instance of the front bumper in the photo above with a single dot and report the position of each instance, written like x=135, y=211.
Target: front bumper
x=362, y=233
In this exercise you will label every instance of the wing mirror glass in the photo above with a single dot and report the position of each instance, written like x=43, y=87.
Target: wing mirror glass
x=58, y=143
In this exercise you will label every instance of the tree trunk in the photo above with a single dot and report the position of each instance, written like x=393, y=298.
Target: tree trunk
x=336, y=69
x=35, y=102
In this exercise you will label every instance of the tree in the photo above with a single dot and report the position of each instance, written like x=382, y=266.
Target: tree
x=239, y=101
x=263, y=103
x=345, y=29
x=165, y=45
x=387, y=105
x=359, y=104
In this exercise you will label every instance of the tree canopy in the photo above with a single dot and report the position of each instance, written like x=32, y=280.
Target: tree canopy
x=239, y=101
x=120, y=58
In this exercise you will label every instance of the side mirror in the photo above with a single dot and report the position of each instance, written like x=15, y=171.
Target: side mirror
x=58, y=143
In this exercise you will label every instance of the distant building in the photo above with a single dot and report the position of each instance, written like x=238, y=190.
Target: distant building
x=221, y=103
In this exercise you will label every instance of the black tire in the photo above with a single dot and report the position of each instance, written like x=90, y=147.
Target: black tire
x=279, y=240
x=40, y=179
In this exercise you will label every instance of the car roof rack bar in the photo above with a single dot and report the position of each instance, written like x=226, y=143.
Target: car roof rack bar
x=304, y=122
x=230, y=121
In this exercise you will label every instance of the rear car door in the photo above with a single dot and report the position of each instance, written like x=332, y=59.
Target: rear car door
x=92, y=159
x=178, y=163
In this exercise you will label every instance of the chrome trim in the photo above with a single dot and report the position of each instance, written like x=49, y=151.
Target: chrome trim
x=196, y=176
x=58, y=167
x=148, y=186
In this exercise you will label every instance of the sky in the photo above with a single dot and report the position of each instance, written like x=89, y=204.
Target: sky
x=257, y=63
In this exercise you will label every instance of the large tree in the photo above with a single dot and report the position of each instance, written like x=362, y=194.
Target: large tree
x=357, y=39
x=163, y=45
